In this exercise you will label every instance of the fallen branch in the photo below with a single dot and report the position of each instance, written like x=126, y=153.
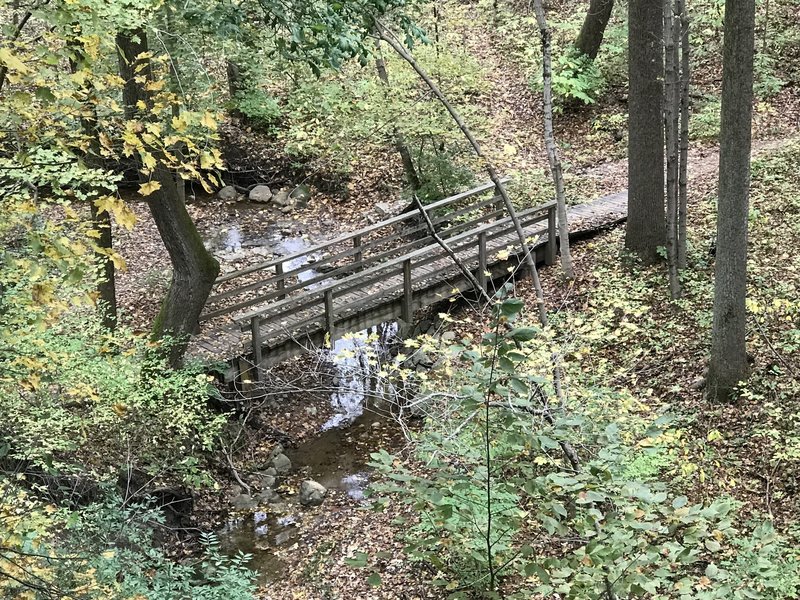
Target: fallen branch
x=459, y=263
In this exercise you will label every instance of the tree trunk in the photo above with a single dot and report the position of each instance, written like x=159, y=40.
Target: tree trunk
x=594, y=27
x=193, y=268
x=106, y=286
x=399, y=142
x=728, y=364
x=671, y=120
x=683, y=175
x=130, y=45
x=550, y=143
x=646, y=225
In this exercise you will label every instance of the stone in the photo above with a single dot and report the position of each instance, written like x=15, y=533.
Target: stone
x=384, y=209
x=260, y=193
x=281, y=198
x=268, y=495
x=301, y=195
x=244, y=502
x=312, y=493
x=287, y=209
x=449, y=336
x=278, y=449
x=282, y=464
x=267, y=481
x=227, y=193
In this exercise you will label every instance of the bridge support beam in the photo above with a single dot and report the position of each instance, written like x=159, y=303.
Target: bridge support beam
x=550, y=248
x=408, y=291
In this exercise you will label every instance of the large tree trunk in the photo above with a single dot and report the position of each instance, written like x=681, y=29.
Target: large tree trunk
x=594, y=27
x=194, y=269
x=646, y=229
x=728, y=353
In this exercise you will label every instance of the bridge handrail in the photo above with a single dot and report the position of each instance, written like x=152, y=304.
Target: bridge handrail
x=359, y=232
x=317, y=295
x=354, y=251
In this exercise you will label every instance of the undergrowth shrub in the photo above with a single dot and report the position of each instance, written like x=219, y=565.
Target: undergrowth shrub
x=105, y=550
x=507, y=511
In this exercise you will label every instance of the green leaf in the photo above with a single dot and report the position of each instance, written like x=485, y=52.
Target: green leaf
x=374, y=579
x=523, y=334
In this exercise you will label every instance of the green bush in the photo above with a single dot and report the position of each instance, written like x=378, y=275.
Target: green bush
x=500, y=495
x=257, y=107
x=575, y=79
x=106, y=550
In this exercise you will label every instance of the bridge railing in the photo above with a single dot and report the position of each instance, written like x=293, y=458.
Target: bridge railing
x=392, y=281
x=271, y=282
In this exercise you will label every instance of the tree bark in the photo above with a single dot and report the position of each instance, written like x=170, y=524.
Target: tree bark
x=550, y=144
x=389, y=38
x=194, y=269
x=399, y=142
x=646, y=229
x=728, y=364
x=671, y=120
x=683, y=176
x=594, y=27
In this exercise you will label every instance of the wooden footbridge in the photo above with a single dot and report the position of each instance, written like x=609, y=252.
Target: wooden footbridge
x=281, y=308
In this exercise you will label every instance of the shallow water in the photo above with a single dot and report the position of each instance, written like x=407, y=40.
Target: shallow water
x=337, y=458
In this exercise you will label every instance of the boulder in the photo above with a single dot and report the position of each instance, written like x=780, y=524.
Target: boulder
x=301, y=195
x=266, y=481
x=260, y=193
x=312, y=493
x=282, y=464
x=281, y=198
x=244, y=502
x=227, y=194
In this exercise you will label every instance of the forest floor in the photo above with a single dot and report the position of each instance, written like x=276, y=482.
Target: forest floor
x=743, y=460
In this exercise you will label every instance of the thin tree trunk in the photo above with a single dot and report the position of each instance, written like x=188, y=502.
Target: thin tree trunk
x=594, y=26
x=728, y=364
x=194, y=269
x=646, y=229
x=683, y=176
x=671, y=121
x=399, y=141
x=550, y=143
x=389, y=38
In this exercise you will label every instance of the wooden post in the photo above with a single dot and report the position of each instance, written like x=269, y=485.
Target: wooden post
x=550, y=248
x=255, y=334
x=408, y=292
x=330, y=318
x=482, y=260
x=281, y=281
x=359, y=255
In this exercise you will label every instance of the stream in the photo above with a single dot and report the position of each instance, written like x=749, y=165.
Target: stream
x=337, y=457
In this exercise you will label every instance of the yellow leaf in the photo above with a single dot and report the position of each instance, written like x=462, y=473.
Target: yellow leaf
x=12, y=62
x=119, y=262
x=209, y=121
x=148, y=188
x=148, y=160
